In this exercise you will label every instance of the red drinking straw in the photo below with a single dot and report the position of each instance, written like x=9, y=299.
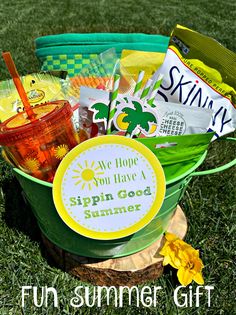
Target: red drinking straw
x=18, y=84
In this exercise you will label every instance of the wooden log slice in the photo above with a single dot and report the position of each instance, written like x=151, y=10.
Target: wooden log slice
x=125, y=271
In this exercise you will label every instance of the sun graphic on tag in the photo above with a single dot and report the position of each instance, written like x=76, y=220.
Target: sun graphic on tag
x=108, y=187
x=87, y=174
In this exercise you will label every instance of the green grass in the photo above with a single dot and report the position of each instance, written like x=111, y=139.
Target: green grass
x=209, y=202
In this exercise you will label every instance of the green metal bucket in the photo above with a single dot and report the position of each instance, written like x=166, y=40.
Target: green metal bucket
x=71, y=52
x=39, y=195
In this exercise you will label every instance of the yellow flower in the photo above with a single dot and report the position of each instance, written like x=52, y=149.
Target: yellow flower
x=183, y=257
x=171, y=249
x=191, y=267
x=61, y=151
x=32, y=164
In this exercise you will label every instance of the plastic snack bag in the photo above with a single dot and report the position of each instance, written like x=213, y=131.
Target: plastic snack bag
x=98, y=73
x=40, y=88
x=88, y=97
x=199, y=72
x=134, y=61
x=178, y=154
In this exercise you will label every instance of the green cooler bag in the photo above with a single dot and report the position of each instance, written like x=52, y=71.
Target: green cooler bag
x=71, y=52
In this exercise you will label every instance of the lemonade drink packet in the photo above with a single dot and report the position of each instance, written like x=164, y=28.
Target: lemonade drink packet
x=40, y=88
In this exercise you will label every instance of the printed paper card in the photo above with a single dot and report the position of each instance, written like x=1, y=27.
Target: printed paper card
x=109, y=187
x=132, y=116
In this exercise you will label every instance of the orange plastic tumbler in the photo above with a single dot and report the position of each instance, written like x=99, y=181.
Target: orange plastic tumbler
x=38, y=147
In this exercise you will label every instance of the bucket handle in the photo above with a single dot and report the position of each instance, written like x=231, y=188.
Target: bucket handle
x=217, y=169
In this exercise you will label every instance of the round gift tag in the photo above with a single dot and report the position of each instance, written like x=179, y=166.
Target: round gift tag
x=108, y=187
